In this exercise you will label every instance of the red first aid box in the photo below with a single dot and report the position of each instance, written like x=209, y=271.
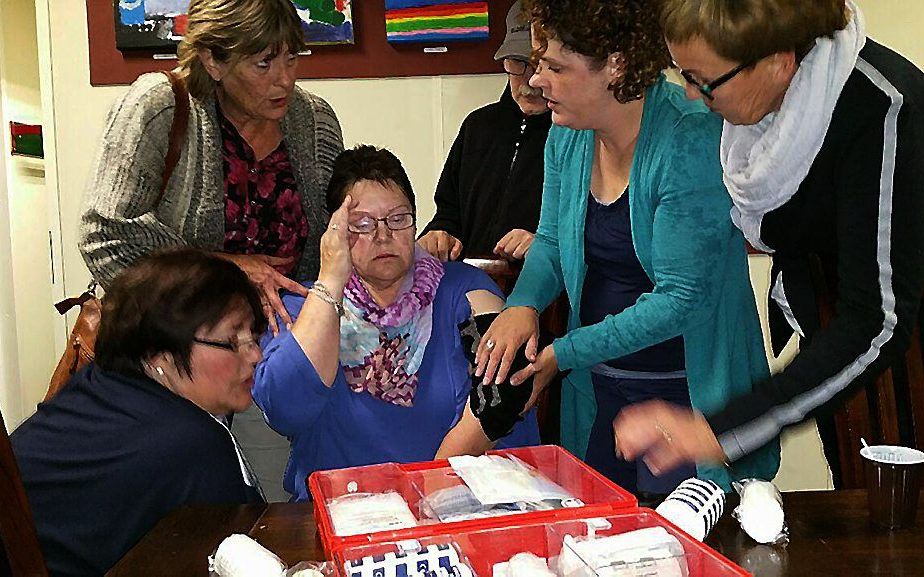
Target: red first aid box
x=594, y=495
x=482, y=549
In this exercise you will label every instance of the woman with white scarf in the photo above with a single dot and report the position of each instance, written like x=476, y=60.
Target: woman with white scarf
x=823, y=155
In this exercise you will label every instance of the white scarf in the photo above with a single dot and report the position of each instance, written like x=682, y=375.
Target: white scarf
x=764, y=164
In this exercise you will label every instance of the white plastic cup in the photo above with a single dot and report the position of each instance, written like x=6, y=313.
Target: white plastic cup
x=695, y=506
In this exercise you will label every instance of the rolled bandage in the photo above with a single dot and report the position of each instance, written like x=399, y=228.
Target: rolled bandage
x=240, y=556
x=695, y=506
x=528, y=565
x=761, y=511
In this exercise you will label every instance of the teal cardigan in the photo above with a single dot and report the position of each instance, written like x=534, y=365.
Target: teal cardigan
x=688, y=247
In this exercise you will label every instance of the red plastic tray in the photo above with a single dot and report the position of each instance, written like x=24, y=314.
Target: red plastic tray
x=599, y=495
x=484, y=548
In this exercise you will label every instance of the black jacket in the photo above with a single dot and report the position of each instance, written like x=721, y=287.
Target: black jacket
x=109, y=456
x=492, y=180
x=859, y=212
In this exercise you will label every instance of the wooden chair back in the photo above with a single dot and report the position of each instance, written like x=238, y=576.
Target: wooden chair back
x=554, y=319
x=889, y=411
x=21, y=554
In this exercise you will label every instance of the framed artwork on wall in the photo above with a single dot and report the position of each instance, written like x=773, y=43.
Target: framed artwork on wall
x=370, y=55
x=161, y=24
x=428, y=21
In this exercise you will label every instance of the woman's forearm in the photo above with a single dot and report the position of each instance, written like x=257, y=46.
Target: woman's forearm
x=317, y=331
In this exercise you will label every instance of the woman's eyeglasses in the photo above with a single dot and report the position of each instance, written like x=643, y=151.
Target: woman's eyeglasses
x=515, y=67
x=235, y=344
x=707, y=88
x=368, y=224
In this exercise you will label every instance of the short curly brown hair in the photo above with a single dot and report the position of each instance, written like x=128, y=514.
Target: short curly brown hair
x=598, y=28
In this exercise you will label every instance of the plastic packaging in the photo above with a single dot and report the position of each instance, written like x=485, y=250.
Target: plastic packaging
x=494, y=480
x=648, y=551
x=761, y=511
x=358, y=513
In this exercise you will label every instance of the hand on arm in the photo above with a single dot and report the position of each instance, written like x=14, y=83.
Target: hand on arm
x=515, y=244
x=542, y=371
x=262, y=272
x=441, y=244
x=512, y=329
x=317, y=329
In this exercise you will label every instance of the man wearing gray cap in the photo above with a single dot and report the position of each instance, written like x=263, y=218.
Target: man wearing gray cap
x=488, y=196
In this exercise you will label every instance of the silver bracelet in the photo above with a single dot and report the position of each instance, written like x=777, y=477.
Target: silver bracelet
x=321, y=291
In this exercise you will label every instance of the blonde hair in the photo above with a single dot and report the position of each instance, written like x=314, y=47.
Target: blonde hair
x=234, y=30
x=748, y=30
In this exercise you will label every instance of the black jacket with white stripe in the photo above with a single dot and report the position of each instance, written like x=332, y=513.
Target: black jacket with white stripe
x=860, y=212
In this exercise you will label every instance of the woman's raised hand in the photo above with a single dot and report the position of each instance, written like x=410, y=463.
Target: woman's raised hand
x=499, y=345
x=336, y=263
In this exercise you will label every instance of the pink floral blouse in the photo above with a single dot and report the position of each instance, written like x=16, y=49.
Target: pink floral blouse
x=263, y=209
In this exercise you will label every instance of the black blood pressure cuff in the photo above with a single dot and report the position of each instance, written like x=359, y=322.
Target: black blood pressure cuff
x=497, y=407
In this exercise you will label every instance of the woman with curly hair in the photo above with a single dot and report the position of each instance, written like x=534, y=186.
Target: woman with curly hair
x=635, y=227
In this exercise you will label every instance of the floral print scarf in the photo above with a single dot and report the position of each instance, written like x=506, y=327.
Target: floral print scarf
x=381, y=349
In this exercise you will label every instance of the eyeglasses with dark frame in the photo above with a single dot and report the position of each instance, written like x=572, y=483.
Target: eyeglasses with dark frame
x=515, y=67
x=707, y=88
x=234, y=343
x=368, y=224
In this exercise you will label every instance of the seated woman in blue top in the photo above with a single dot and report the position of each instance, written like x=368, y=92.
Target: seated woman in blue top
x=635, y=227
x=374, y=369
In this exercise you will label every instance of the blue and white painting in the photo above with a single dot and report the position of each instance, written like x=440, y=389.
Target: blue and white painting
x=161, y=24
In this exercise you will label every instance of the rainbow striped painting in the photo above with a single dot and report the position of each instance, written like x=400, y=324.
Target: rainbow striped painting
x=431, y=21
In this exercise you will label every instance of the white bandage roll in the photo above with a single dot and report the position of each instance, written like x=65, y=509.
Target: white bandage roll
x=240, y=556
x=695, y=506
x=761, y=511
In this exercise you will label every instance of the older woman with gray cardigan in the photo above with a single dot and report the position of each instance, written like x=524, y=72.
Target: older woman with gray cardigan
x=254, y=164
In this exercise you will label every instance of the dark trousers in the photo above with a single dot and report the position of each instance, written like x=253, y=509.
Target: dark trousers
x=613, y=394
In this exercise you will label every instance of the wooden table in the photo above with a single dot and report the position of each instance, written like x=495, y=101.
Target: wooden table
x=830, y=534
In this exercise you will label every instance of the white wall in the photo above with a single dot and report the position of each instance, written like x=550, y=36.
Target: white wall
x=10, y=397
x=30, y=274
x=898, y=24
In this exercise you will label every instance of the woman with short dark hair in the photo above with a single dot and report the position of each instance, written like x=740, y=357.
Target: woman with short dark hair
x=375, y=367
x=635, y=228
x=142, y=430
x=823, y=154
